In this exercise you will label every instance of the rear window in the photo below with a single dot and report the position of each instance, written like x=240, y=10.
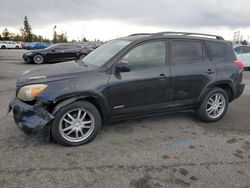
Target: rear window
x=220, y=51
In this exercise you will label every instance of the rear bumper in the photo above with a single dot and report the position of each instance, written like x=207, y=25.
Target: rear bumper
x=30, y=119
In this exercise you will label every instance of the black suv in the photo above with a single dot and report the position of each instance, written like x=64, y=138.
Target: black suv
x=57, y=53
x=142, y=74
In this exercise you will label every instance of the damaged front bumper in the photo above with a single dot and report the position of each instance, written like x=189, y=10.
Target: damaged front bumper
x=30, y=119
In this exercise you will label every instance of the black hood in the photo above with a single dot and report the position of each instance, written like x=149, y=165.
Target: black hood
x=54, y=72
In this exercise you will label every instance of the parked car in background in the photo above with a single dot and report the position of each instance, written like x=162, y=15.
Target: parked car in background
x=10, y=45
x=36, y=45
x=243, y=54
x=141, y=74
x=57, y=53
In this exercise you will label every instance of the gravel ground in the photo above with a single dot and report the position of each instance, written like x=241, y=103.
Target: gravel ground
x=175, y=150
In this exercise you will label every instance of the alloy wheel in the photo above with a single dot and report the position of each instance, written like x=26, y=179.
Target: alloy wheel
x=76, y=125
x=38, y=59
x=215, y=105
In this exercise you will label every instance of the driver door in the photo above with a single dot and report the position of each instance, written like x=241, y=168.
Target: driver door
x=145, y=87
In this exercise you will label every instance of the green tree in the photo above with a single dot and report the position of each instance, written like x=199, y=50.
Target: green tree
x=84, y=39
x=26, y=30
x=244, y=42
x=62, y=38
x=6, y=34
x=17, y=37
x=54, y=40
x=1, y=37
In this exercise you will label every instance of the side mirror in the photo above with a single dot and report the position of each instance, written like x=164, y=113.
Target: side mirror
x=52, y=50
x=122, y=66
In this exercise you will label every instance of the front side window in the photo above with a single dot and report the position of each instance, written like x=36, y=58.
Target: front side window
x=147, y=55
x=186, y=52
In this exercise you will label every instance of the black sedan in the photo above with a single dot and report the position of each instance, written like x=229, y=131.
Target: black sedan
x=57, y=53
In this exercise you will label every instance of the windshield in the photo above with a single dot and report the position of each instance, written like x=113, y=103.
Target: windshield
x=105, y=52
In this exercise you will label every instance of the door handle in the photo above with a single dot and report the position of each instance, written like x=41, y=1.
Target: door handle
x=209, y=71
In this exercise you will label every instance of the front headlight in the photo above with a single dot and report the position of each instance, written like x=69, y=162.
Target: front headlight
x=29, y=92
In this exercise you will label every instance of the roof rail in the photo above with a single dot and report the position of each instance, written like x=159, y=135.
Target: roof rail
x=141, y=34
x=186, y=33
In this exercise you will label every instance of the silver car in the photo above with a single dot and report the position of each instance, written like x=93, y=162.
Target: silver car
x=243, y=54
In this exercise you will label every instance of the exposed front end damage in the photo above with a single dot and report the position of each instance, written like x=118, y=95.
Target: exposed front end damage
x=32, y=119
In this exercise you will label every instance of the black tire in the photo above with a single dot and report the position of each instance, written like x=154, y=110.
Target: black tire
x=17, y=47
x=38, y=59
x=201, y=111
x=82, y=56
x=3, y=47
x=57, y=123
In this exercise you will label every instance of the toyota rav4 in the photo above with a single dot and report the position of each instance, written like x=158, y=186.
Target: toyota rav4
x=138, y=75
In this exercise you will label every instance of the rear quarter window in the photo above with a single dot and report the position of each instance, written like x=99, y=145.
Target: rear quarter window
x=220, y=51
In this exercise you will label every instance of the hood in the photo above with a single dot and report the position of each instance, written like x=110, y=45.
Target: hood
x=54, y=72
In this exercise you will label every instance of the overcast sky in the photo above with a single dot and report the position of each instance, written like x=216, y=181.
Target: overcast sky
x=106, y=19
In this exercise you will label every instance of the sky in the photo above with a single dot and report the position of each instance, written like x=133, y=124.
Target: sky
x=107, y=19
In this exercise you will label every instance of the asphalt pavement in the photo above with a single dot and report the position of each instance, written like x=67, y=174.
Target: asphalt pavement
x=175, y=150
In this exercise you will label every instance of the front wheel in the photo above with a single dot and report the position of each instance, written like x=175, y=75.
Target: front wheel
x=214, y=105
x=76, y=124
x=38, y=59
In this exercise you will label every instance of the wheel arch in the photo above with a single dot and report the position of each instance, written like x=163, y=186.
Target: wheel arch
x=226, y=85
x=96, y=101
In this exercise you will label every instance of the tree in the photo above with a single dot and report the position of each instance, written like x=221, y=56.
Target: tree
x=54, y=40
x=84, y=39
x=62, y=38
x=26, y=30
x=6, y=34
x=244, y=42
x=1, y=37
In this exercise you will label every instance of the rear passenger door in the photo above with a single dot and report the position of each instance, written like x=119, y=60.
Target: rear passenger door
x=191, y=71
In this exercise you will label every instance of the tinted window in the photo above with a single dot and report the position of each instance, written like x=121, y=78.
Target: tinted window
x=218, y=50
x=146, y=55
x=246, y=50
x=60, y=47
x=185, y=52
x=238, y=50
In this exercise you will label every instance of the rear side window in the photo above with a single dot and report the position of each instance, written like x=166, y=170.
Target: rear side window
x=186, y=52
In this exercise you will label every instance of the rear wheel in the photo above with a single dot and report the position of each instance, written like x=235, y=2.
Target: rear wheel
x=3, y=47
x=213, y=106
x=76, y=124
x=38, y=59
x=17, y=47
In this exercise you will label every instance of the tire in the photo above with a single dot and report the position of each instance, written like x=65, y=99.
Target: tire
x=17, y=47
x=207, y=109
x=82, y=56
x=86, y=125
x=3, y=47
x=38, y=59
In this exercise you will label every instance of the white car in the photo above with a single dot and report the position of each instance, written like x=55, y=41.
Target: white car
x=243, y=54
x=9, y=44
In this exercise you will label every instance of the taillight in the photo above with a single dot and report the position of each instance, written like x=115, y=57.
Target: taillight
x=239, y=64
